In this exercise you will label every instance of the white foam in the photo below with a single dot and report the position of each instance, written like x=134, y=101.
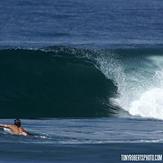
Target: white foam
x=140, y=87
x=8, y=130
x=150, y=104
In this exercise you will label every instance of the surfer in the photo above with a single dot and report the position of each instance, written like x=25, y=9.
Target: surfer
x=15, y=128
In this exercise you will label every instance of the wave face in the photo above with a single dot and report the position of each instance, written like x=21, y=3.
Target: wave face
x=58, y=82
x=72, y=82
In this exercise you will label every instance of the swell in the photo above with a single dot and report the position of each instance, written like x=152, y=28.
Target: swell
x=58, y=82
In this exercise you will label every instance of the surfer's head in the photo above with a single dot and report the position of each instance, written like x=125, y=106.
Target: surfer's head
x=17, y=122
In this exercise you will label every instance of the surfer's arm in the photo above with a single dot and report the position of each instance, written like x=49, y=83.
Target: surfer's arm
x=4, y=126
x=1, y=126
x=26, y=132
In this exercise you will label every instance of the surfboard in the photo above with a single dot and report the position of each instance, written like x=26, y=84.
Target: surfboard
x=8, y=130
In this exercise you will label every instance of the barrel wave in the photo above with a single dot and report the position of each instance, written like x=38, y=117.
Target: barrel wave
x=58, y=82
x=78, y=82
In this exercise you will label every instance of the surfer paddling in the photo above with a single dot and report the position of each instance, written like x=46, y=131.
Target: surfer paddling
x=15, y=128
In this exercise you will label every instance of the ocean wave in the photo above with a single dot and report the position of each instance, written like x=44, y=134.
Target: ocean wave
x=53, y=82
x=76, y=82
x=138, y=75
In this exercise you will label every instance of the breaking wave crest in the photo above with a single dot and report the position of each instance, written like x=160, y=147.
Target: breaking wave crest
x=138, y=75
x=73, y=82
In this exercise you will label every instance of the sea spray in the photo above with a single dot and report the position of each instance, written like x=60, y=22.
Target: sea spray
x=139, y=78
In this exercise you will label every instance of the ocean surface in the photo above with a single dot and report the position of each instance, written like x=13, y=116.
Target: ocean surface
x=81, y=140
x=85, y=77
